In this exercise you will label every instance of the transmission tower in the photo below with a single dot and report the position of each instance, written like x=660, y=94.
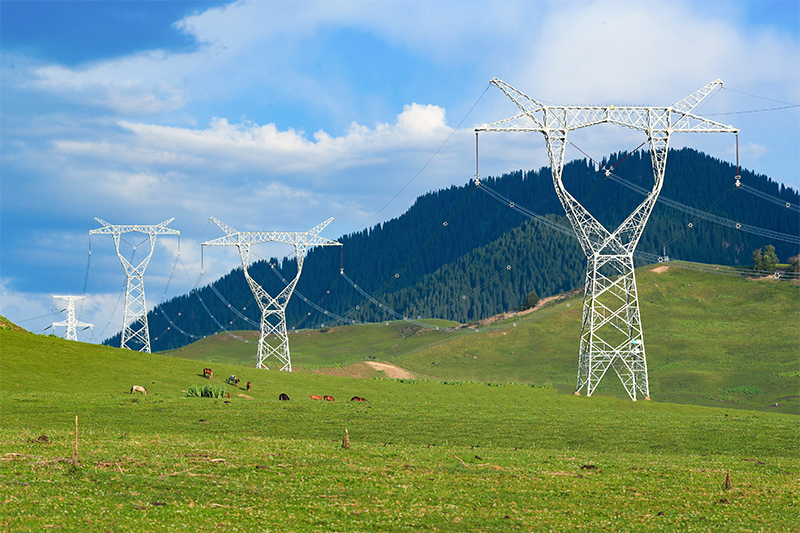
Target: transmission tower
x=611, y=328
x=134, y=321
x=273, y=310
x=71, y=322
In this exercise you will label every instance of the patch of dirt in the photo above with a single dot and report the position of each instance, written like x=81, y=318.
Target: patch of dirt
x=244, y=396
x=357, y=370
x=365, y=370
x=660, y=270
x=392, y=371
x=7, y=324
x=542, y=303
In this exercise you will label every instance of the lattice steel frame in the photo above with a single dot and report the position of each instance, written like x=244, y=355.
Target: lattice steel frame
x=71, y=323
x=611, y=329
x=134, y=320
x=273, y=310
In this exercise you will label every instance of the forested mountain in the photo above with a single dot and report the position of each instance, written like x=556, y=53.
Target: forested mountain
x=462, y=255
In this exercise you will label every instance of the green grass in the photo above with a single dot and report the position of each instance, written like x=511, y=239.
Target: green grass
x=424, y=456
x=707, y=336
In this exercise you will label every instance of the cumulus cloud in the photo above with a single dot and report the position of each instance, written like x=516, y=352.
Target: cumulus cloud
x=247, y=147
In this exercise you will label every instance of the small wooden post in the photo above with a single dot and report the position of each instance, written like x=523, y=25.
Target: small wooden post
x=346, y=441
x=75, y=452
x=728, y=480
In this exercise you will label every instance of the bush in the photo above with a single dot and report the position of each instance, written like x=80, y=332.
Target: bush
x=206, y=391
x=746, y=389
x=530, y=301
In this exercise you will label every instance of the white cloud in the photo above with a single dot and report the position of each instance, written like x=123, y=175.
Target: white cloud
x=228, y=149
x=141, y=84
x=751, y=151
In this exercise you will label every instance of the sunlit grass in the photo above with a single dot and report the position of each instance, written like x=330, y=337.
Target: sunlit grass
x=470, y=457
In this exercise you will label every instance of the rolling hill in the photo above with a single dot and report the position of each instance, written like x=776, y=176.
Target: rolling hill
x=80, y=452
x=711, y=339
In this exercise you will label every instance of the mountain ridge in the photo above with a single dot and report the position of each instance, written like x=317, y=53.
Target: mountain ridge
x=431, y=260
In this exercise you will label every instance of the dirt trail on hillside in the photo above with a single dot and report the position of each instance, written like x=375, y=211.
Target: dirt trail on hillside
x=391, y=370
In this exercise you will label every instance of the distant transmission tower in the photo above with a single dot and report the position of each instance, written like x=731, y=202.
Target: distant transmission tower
x=611, y=330
x=273, y=310
x=71, y=322
x=134, y=321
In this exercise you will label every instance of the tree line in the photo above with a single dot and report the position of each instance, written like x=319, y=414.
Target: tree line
x=459, y=254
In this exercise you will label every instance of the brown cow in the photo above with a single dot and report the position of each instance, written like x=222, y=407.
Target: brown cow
x=315, y=397
x=249, y=384
x=207, y=373
x=357, y=399
x=328, y=398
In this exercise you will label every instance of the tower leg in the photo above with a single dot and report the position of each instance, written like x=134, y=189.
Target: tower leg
x=611, y=330
x=274, y=339
x=134, y=326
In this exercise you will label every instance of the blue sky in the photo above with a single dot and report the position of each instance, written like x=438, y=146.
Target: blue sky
x=278, y=115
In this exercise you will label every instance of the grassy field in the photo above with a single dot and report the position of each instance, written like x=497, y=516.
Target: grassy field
x=423, y=456
x=711, y=340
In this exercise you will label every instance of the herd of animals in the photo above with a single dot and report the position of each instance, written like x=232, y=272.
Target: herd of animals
x=207, y=373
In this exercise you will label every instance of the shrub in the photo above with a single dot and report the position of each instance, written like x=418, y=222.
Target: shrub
x=205, y=391
x=746, y=389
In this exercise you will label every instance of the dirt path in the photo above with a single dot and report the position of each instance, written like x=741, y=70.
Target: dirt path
x=391, y=370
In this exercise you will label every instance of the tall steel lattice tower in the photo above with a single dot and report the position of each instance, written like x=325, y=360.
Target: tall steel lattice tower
x=274, y=338
x=134, y=321
x=71, y=323
x=611, y=329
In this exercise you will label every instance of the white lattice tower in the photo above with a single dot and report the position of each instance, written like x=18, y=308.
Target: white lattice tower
x=611, y=329
x=71, y=323
x=274, y=338
x=134, y=320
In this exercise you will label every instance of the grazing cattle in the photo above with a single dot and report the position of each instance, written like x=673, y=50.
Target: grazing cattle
x=137, y=388
x=328, y=398
x=249, y=384
x=315, y=397
x=357, y=399
x=233, y=380
x=207, y=373
x=283, y=397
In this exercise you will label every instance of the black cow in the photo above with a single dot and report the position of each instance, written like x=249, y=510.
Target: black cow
x=283, y=397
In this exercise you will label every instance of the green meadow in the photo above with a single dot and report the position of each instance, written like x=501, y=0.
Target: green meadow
x=496, y=444
x=712, y=340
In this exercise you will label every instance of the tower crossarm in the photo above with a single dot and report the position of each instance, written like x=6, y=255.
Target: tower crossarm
x=527, y=104
x=690, y=102
x=155, y=229
x=646, y=119
x=546, y=119
x=305, y=239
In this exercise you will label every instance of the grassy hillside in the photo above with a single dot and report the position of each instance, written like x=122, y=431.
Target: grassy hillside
x=423, y=455
x=710, y=339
